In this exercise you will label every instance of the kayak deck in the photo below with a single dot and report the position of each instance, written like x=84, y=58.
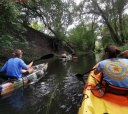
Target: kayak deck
x=108, y=104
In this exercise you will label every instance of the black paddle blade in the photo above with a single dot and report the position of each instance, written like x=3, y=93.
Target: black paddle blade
x=47, y=56
x=80, y=77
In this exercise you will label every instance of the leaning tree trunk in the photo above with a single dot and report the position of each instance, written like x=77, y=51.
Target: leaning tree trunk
x=112, y=33
x=121, y=28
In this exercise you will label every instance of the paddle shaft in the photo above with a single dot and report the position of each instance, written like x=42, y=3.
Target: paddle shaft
x=89, y=71
x=95, y=68
x=45, y=57
x=36, y=60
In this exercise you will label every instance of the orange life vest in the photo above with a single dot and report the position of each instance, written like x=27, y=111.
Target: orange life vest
x=103, y=87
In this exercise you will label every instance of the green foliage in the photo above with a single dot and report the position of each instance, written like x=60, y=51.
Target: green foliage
x=106, y=38
x=11, y=28
x=78, y=52
x=83, y=37
x=111, y=14
x=37, y=26
x=56, y=15
x=125, y=47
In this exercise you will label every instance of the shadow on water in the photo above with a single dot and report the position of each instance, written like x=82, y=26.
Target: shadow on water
x=58, y=92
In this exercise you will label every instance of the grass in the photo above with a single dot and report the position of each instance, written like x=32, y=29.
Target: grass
x=50, y=100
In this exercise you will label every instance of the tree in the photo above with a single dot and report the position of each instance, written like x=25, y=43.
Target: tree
x=56, y=15
x=83, y=37
x=111, y=13
x=11, y=28
x=37, y=26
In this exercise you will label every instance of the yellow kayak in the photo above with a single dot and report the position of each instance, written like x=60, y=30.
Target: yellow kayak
x=108, y=104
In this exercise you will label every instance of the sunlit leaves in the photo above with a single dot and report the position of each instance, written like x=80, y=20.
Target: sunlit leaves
x=37, y=26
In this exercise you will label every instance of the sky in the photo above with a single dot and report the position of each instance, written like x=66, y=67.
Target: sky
x=77, y=1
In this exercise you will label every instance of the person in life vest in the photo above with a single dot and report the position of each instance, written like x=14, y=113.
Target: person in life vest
x=64, y=55
x=114, y=69
x=15, y=67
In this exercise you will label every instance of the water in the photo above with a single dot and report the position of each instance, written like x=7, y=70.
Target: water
x=58, y=92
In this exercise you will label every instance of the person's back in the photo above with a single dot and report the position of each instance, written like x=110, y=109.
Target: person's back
x=115, y=70
x=14, y=67
x=63, y=55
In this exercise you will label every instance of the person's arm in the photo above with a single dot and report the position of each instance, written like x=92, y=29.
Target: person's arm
x=97, y=70
x=125, y=53
x=29, y=66
x=24, y=66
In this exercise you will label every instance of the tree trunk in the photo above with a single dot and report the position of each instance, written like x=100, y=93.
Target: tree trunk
x=121, y=28
x=112, y=33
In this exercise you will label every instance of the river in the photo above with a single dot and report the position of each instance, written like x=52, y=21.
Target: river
x=58, y=92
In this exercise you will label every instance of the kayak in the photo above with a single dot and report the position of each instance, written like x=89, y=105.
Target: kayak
x=11, y=85
x=69, y=57
x=107, y=104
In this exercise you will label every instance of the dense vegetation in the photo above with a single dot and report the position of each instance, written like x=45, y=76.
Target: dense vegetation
x=102, y=21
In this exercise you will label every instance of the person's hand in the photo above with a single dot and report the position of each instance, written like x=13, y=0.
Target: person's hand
x=125, y=53
x=32, y=60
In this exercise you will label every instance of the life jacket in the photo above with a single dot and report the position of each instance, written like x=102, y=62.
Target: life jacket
x=104, y=87
x=115, y=89
x=99, y=89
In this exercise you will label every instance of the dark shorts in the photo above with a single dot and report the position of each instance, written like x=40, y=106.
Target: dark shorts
x=25, y=74
x=11, y=77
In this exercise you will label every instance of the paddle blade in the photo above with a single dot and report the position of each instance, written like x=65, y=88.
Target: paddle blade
x=47, y=56
x=80, y=77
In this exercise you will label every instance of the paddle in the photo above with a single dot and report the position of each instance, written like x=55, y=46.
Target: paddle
x=80, y=76
x=75, y=57
x=45, y=57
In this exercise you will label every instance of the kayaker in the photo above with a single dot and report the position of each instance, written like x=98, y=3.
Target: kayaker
x=15, y=67
x=64, y=55
x=114, y=69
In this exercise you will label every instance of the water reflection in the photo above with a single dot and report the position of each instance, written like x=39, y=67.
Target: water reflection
x=66, y=97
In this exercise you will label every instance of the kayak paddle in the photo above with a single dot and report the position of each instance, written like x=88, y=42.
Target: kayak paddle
x=75, y=57
x=45, y=57
x=80, y=76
